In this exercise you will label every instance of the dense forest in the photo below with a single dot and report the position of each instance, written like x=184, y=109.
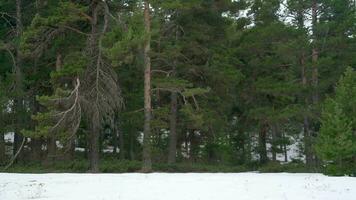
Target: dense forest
x=165, y=83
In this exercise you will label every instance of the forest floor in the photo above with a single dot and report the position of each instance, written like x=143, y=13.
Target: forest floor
x=188, y=186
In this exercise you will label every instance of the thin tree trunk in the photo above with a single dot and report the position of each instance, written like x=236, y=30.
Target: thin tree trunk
x=306, y=129
x=172, y=152
x=274, y=142
x=51, y=142
x=304, y=82
x=147, y=163
x=115, y=136
x=18, y=83
x=2, y=148
x=121, y=143
x=315, y=53
x=284, y=146
x=262, y=143
x=315, y=71
x=132, y=151
x=172, y=147
x=36, y=143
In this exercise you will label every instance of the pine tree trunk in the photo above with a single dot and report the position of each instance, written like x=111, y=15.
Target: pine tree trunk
x=94, y=146
x=315, y=71
x=262, y=144
x=304, y=82
x=36, y=144
x=2, y=148
x=121, y=143
x=315, y=53
x=274, y=142
x=132, y=150
x=94, y=51
x=172, y=152
x=306, y=129
x=51, y=150
x=18, y=106
x=115, y=136
x=147, y=163
x=172, y=147
x=70, y=150
x=51, y=142
x=284, y=145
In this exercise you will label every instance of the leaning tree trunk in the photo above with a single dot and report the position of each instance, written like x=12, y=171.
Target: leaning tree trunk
x=147, y=163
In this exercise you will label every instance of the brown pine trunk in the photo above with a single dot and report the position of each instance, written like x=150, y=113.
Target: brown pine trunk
x=121, y=143
x=274, y=142
x=36, y=144
x=172, y=146
x=306, y=129
x=304, y=82
x=70, y=150
x=147, y=163
x=172, y=149
x=51, y=150
x=284, y=146
x=262, y=143
x=18, y=106
x=115, y=136
x=315, y=53
x=132, y=150
x=315, y=72
x=94, y=147
x=94, y=136
x=2, y=148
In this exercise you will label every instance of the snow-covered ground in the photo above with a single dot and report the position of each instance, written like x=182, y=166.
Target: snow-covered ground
x=159, y=186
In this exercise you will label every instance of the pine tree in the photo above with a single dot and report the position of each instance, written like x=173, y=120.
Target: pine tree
x=336, y=143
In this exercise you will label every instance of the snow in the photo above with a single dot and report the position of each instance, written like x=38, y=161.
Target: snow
x=9, y=137
x=160, y=186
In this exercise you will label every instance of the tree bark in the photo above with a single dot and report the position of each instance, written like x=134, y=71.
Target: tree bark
x=18, y=106
x=147, y=163
x=121, y=143
x=315, y=53
x=172, y=152
x=315, y=73
x=262, y=143
x=306, y=129
x=284, y=145
x=274, y=142
x=51, y=141
x=132, y=150
x=94, y=136
x=94, y=147
x=304, y=83
x=2, y=148
x=172, y=147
